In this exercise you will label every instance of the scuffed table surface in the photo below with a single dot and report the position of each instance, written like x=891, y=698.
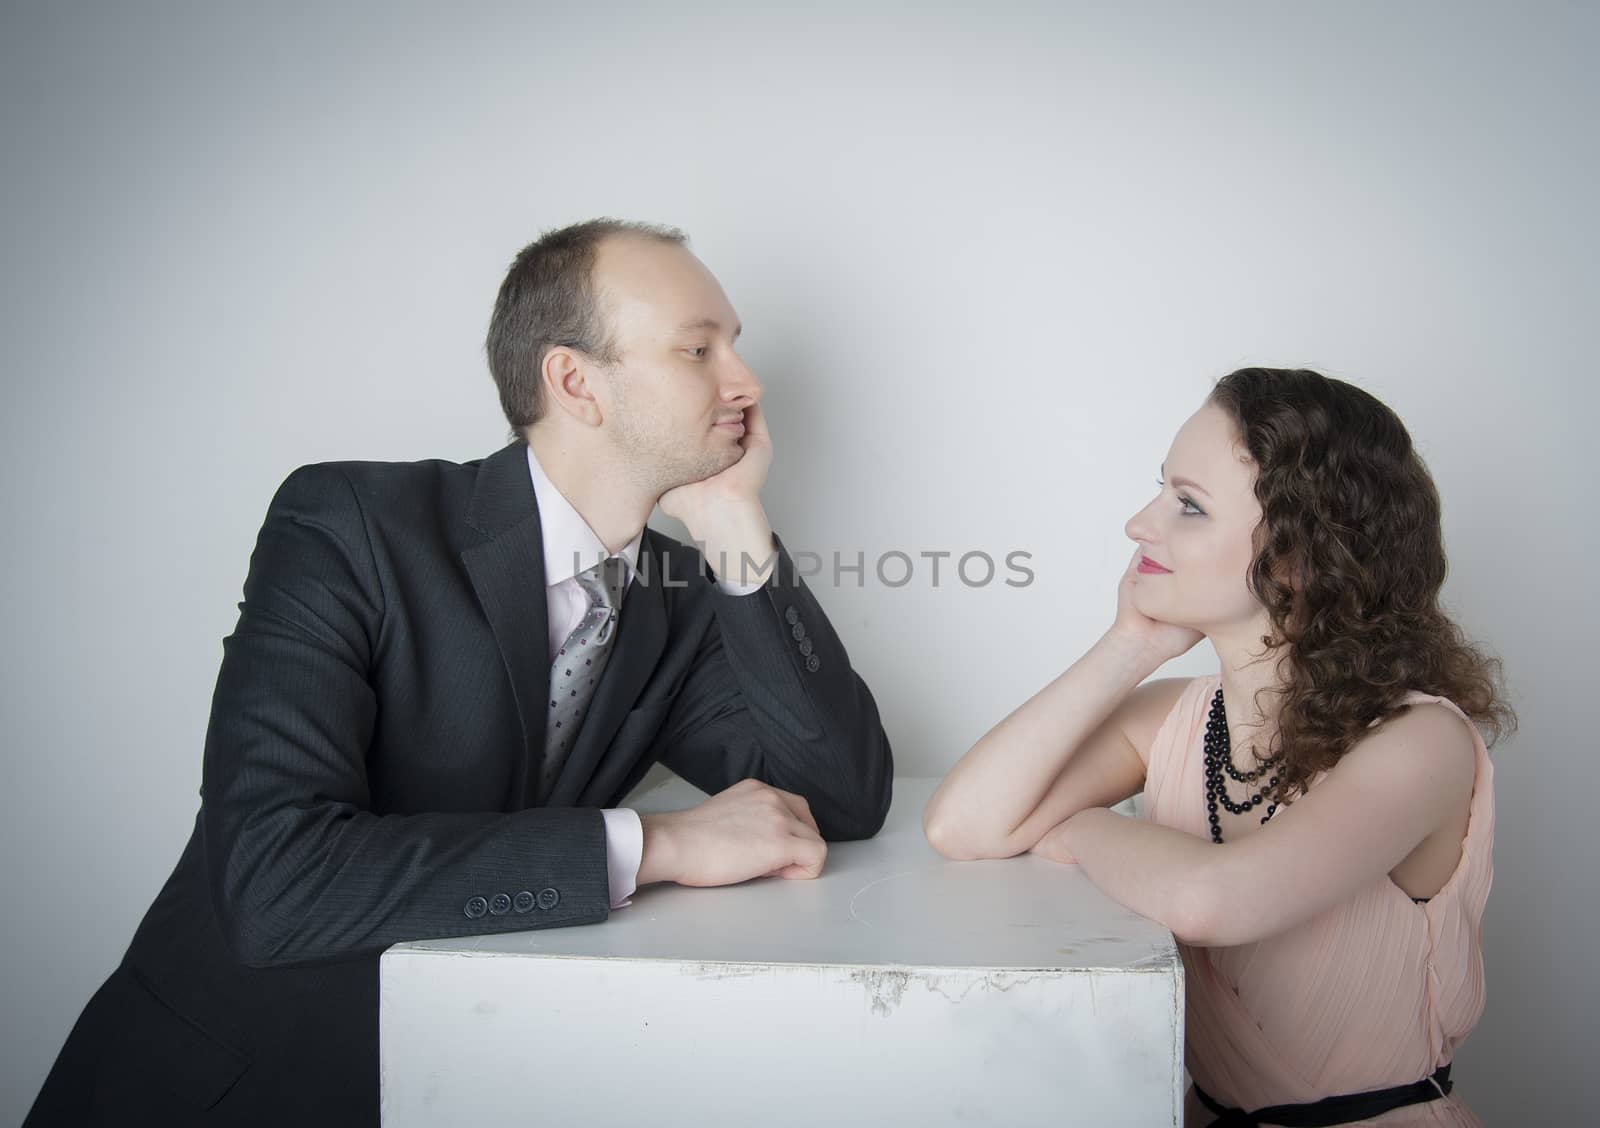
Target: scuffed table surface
x=898, y=987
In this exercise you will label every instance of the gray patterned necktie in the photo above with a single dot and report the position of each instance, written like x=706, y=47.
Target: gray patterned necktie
x=576, y=669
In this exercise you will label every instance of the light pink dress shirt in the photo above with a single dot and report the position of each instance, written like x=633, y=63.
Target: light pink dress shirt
x=570, y=546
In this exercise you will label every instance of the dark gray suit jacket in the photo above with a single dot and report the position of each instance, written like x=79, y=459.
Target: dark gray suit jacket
x=370, y=771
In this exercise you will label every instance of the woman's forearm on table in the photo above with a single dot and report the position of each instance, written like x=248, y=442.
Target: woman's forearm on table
x=1156, y=871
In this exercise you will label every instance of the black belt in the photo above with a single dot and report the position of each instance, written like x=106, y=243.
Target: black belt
x=1332, y=1110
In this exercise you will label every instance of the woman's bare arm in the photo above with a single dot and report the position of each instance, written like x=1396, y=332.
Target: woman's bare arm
x=1361, y=820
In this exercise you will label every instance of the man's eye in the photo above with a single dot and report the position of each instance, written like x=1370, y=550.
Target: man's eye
x=698, y=352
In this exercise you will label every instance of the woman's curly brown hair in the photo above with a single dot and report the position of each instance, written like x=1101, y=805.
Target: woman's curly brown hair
x=1349, y=560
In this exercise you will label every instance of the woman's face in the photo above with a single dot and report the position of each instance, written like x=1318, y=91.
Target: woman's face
x=1196, y=534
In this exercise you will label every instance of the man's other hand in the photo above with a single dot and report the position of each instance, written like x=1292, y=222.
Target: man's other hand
x=749, y=830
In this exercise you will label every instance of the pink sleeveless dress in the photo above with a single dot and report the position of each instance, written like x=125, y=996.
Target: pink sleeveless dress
x=1372, y=993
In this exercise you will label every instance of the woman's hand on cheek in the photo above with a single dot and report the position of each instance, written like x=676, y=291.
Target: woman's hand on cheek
x=1161, y=641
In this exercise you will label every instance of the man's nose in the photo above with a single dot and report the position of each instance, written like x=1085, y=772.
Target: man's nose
x=739, y=382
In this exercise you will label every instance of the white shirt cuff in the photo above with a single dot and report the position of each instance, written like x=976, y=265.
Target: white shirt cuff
x=624, y=851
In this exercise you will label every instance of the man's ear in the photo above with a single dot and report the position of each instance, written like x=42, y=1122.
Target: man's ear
x=569, y=384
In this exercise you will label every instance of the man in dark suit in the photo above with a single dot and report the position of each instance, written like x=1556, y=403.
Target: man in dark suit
x=446, y=677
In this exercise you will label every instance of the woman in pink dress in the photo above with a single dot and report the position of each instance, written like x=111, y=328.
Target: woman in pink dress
x=1319, y=815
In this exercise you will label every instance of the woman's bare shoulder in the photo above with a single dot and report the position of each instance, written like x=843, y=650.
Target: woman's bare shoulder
x=1426, y=750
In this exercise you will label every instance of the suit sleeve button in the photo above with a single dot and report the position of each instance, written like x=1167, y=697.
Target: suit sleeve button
x=523, y=901
x=791, y=616
x=548, y=899
x=805, y=648
x=799, y=631
x=813, y=663
x=500, y=904
x=476, y=907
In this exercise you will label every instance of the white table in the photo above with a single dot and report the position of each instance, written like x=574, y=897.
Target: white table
x=897, y=988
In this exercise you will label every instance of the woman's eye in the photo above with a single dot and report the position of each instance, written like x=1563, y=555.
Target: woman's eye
x=698, y=352
x=1190, y=509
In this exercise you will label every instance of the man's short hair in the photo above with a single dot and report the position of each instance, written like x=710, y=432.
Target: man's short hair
x=548, y=300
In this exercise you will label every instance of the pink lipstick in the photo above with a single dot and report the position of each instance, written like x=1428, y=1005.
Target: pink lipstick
x=1149, y=567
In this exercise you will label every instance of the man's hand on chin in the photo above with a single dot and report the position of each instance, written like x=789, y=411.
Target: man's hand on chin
x=724, y=513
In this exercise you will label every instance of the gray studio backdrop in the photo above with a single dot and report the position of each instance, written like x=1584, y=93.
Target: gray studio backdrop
x=988, y=257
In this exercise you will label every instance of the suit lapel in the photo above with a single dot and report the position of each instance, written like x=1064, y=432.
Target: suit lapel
x=507, y=572
x=641, y=638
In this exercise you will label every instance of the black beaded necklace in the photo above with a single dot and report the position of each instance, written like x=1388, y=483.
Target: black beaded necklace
x=1219, y=758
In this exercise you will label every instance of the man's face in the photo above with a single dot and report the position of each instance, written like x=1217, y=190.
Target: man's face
x=674, y=400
